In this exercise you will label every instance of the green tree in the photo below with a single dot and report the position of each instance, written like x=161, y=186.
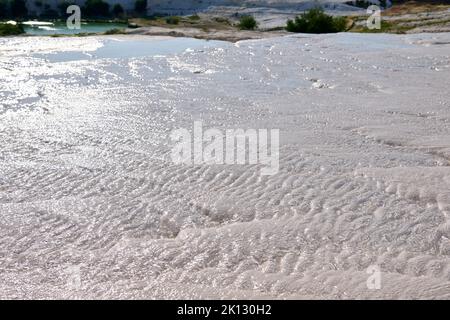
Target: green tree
x=140, y=6
x=62, y=8
x=96, y=8
x=10, y=29
x=316, y=21
x=19, y=9
x=4, y=8
x=49, y=14
x=117, y=10
x=247, y=23
x=173, y=20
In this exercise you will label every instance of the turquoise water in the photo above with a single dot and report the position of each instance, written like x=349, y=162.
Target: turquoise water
x=123, y=47
x=61, y=28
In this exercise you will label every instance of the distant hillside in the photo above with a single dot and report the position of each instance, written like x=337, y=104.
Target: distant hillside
x=36, y=7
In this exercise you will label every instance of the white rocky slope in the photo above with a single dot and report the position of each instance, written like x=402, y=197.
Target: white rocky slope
x=92, y=207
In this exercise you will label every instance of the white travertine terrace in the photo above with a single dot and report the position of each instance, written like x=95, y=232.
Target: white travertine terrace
x=87, y=191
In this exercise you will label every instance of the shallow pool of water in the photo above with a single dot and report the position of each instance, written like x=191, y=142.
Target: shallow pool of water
x=43, y=28
x=131, y=47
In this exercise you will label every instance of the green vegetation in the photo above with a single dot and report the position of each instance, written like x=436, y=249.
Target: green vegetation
x=140, y=7
x=365, y=4
x=360, y=3
x=316, y=21
x=386, y=27
x=48, y=12
x=7, y=29
x=340, y=24
x=173, y=20
x=117, y=10
x=247, y=23
x=62, y=8
x=115, y=31
x=194, y=17
x=96, y=8
x=75, y=35
x=222, y=20
x=18, y=9
x=3, y=8
x=405, y=16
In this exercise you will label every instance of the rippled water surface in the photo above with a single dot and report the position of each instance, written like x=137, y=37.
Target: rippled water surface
x=92, y=207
